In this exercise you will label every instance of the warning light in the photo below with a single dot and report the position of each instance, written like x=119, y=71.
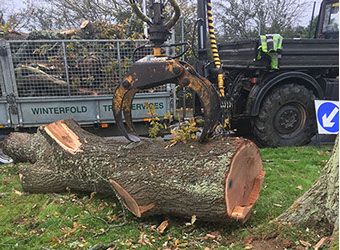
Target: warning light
x=253, y=80
x=104, y=125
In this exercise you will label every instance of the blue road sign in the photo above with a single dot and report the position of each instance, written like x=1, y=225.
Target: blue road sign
x=327, y=114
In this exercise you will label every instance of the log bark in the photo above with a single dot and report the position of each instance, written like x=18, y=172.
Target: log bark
x=318, y=208
x=216, y=181
x=14, y=35
x=34, y=82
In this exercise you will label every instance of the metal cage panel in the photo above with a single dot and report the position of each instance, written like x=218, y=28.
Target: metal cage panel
x=73, y=67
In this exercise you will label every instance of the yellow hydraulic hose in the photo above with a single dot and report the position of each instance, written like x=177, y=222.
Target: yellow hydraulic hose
x=214, y=49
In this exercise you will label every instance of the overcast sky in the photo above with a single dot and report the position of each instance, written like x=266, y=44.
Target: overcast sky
x=13, y=4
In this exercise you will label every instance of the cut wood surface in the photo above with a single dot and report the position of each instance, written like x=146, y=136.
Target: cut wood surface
x=216, y=181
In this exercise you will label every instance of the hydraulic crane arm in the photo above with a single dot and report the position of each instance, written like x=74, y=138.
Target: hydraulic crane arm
x=158, y=69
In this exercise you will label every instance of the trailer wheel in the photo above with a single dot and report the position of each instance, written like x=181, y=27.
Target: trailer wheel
x=286, y=117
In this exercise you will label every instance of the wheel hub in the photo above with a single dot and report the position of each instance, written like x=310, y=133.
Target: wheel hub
x=289, y=119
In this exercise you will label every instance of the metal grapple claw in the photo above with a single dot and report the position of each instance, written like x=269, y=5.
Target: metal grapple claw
x=153, y=71
x=117, y=105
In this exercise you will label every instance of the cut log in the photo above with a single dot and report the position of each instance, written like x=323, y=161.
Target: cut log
x=216, y=181
x=14, y=35
x=34, y=82
x=84, y=31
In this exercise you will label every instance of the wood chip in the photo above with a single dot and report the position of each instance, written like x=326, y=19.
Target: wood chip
x=17, y=192
x=299, y=187
x=321, y=243
x=305, y=243
x=277, y=205
x=211, y=236
x=162, y=226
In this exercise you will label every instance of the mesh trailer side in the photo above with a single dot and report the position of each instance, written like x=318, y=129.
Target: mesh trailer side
x=73, y=67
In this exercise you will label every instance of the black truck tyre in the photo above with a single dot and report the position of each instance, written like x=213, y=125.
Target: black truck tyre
x=286, y=117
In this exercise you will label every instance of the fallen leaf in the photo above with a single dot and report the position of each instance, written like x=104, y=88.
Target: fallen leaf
x=300, y=247
x=92, y=194
x=55, y=239
x=75, y=224
x=162, y=226
x=250, y=241
x=305, y=243
x=182, y=245
x=277, y=205
x=143, y=239
x=299, y=187
x=288, y=244
x=193, y=219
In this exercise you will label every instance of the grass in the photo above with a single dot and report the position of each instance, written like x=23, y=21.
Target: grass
x=80, y=221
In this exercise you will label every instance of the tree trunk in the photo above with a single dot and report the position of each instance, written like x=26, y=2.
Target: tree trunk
x=318, y=208
x=216, y=181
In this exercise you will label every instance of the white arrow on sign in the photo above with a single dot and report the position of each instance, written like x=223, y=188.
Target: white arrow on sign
x=327, y=121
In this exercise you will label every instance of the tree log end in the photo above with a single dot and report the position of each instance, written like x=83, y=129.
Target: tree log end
x=243, y=181
x=64, y=136
x=130, y=202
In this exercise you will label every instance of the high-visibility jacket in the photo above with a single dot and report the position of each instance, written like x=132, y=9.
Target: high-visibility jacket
x=271, y=45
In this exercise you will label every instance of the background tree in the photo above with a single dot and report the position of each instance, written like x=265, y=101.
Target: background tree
x=247, y=18
x=67, y=14
x=318, y=208
x=14, y=19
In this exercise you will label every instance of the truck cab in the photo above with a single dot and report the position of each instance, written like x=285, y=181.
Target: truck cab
x=328, y=22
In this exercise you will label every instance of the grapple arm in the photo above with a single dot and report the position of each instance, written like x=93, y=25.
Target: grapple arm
x=152, y=71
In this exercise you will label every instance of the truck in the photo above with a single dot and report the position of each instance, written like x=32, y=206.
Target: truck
x=276, y=106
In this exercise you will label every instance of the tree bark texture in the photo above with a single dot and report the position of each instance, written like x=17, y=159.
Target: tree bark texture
x=216, y=181
x=319, y=207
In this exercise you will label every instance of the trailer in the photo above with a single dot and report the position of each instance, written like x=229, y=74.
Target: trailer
x=48, y=80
